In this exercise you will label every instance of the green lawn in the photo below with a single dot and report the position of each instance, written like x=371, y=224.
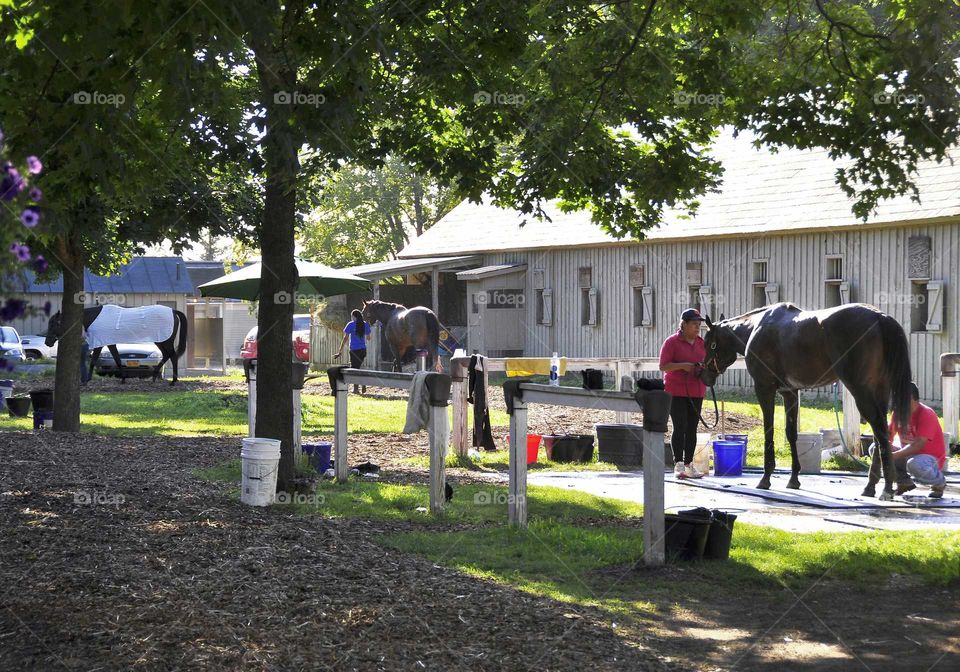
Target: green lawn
x=572, y=533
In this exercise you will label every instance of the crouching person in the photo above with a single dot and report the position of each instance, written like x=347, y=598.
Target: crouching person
x=923, y=452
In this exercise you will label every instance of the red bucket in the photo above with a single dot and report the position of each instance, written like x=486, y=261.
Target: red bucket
x=533, y=446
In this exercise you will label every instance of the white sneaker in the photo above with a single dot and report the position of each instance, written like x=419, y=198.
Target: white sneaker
x=678, y=469
x=689, y=471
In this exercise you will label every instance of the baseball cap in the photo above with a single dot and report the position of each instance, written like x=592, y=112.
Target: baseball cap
x=691, y=314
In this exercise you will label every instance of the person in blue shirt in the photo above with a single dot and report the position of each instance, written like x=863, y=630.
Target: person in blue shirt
x=359, y=333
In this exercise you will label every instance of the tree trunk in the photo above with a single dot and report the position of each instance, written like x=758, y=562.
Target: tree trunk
x=279, y=278
x=66, y=412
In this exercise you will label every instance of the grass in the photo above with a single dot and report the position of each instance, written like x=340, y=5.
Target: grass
x=220, y=413
x=573, y=533
x=500, y=461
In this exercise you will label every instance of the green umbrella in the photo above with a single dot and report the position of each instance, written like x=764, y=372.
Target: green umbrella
x=315, y=279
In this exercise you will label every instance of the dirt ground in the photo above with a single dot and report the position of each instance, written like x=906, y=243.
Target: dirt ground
x=116, y=557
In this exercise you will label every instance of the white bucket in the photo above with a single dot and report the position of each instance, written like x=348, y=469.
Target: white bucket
x=831, y=438
x=808, y=452
x=6, y=390
x=259, y=460
x=701, y=455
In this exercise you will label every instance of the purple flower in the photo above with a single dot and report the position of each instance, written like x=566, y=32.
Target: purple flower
x=33, y=165
x=35, y=194
x=30, y=217
x=11, y=184
x=40, y=265
x=12, y=309
x=21, y=252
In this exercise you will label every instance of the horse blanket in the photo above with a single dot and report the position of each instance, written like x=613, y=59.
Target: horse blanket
x=146, y=324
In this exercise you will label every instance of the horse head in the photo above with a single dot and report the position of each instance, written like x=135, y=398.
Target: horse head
x=54, y=329
x=722, y=346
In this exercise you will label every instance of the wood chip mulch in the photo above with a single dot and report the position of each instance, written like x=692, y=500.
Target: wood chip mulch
x=115, y=557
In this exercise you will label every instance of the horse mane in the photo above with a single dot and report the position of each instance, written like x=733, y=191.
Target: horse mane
x=377, y=303
x=746, y=317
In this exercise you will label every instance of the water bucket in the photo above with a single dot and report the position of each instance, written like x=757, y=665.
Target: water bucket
x=259, y=459
x=720, y=537
x=686, y=534
x=318, y=455
x=739, y=438
x=830, y=438
x=701, y=454
x=42, y=400
x=42, y=419
x=808, y=452
x=6, y=390
x=727, y=458
x=533, y=446
x=619, y=444
x=18, y=407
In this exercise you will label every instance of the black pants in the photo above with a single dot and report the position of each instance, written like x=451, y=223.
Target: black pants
x=357, y=357
x=685, y=414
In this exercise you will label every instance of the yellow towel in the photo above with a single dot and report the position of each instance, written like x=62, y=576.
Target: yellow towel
x=531, y=366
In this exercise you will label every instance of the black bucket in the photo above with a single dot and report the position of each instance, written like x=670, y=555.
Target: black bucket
x=42, y=400
x=721, y=535
x=569, y=447
x=687, y=533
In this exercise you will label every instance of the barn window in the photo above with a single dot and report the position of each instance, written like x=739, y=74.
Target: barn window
x=589, y=297
x=926, y=306
x=836, y=291
x=759, y=283
x=638, y=278
x=544, y=306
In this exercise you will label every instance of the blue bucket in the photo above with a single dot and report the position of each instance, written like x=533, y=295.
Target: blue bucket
x=738, y=438
x=728, y=458
x=42, y=419
x=318, y=454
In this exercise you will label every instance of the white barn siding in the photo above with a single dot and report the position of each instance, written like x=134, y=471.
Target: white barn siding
x=874, y=263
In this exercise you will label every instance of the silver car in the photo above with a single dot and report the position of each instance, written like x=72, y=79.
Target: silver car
x=137, y=359
x=11, y=347
x=35, y=348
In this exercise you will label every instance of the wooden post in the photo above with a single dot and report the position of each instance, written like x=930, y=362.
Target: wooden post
x=435, y=290
x=458, y=389
x=654, y=545
x=340, y=431
x=621, y=369
x=438, y=454
x=252, y=402
x=950, y=380
x=851, y=423
x=517, y=500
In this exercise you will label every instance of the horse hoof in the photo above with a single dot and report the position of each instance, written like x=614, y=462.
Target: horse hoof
x=794, y=484
x=869, y=492
x=886, y=496
x=764, y=484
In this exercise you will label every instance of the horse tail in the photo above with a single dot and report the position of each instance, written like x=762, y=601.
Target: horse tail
x=896, y=358
x=433, y=333
x=182, y=328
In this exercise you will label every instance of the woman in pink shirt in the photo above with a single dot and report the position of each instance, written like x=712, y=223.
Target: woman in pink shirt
x=681, y=358
x=923, y=453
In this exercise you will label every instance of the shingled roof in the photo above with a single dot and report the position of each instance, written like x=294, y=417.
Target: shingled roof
x=143, y=275
x=763, y=192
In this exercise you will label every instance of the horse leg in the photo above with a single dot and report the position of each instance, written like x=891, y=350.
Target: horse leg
x=94, y=358
x=882, y=461
x=165, y=351
x=767, y=398
x=116, y=359
x=791, y=405
x=174, y=359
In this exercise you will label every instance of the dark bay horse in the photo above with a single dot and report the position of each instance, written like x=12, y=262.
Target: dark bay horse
x=107, y=325
x=788, y=349
x=407, y=330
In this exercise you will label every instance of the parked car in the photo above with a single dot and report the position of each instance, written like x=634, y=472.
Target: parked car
x=137, y=359
x=301, y=340
x=34, y=347
x=11, y=347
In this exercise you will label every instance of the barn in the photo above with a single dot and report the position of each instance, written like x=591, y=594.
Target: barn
x=780, y=229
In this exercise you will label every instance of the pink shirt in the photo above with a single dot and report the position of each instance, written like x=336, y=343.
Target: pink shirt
x=924, y=422
x=675, y=350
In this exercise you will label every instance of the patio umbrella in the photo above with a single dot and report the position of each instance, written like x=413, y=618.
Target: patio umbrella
x=314, y=279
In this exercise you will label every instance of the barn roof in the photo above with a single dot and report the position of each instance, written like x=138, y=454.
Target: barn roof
x=763, y=192
x=143, y=275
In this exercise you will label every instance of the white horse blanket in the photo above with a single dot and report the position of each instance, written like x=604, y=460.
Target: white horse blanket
x=146, y=324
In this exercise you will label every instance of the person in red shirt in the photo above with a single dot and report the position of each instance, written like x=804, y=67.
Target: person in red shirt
x=923, y=452
x=681, y=358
